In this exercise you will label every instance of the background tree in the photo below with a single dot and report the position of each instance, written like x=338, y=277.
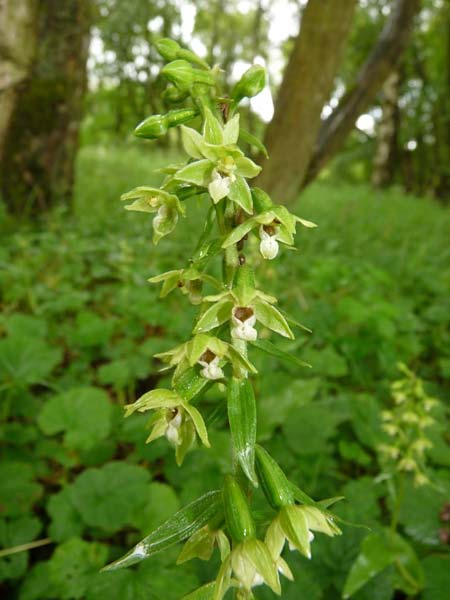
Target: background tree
x=41, y=141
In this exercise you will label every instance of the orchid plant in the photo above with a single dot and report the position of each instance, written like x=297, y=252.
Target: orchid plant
x=224, y=336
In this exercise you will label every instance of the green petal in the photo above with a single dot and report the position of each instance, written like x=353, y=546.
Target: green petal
x=199, y=423
x=247, y=168
x=239, y=232
x=198, y=172
x=212, y=132
x=214, y=316
x=259, y=556
x=271, y=318
x=295, y=527
x=159, y=398
x=193, y=142
x=231, y=131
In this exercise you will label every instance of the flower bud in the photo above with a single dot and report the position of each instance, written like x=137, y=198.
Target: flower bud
x=261, y=200
x=167, y=48
x=237, y=512
x=152, y=128
x=268, y=246
x=251, y=83
x=183, y=75
x=273, y=481
x=173, y=95
x=179, y=116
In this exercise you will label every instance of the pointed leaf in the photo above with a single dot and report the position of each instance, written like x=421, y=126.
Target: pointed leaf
x=249, y=138
x=270, y=348
x=242, y=419
x=240, y=193
x=180, y=526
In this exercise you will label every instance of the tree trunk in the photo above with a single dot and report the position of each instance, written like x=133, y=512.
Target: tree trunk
x=383, y=58
x=387, y=134
x=307, y=84
x=37, y=167
x=17, y=48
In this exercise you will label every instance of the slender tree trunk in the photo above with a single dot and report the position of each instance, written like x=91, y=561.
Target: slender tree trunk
x=387, y=134
x=307, y=85
x=17, y=48
x=383, y=58
x=37, y=167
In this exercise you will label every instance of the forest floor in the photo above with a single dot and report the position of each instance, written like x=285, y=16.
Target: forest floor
x=78, y=330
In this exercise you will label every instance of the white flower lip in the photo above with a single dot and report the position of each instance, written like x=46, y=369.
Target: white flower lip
x=268, y=246
x=173, y=429
x=211, y=369
x=219, y=185
x=243, y=320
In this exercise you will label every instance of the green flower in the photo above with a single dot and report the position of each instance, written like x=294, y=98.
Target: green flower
x=273, y=222
x=243, y=306
x=209, y=352
x=220, y=165
x=175, y=419
x=201, y=545
x=189, y=281
x=296, y=524
x=152, y=200
x=251, y=564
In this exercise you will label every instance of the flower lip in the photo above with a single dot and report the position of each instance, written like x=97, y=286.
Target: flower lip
x=207, y=356
x=243, y=313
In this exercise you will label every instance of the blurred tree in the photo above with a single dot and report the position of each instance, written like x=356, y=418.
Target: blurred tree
x=307, y=84
x=387, y=135
x=298, y=143
x=37, y=166
x=17, y=48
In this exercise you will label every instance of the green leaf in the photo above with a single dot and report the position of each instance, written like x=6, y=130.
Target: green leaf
x=249, y=138
x=26, y=361
x=182, y=525
x=206, y=592
x=242, y=419
x=378, y=551
x=240, y=194
x=65, y=519
x=159, y=504
x=269, y=348
x=107, y=498
x=18, y=490
x=437, y=577
x=83, y=414
x=198, y=172
x=271, y=318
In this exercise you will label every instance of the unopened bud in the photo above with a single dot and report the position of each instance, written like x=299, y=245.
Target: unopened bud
x=274, y=482
x=251, y=83
x=237, y=512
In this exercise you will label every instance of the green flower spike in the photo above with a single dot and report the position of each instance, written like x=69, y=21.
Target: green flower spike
x=209, y=352
x=220, y=165
x=274, y=223
x=175, y=419
x=152, y=200
x=243, y=306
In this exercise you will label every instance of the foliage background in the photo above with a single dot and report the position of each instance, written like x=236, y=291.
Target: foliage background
x=80, y=324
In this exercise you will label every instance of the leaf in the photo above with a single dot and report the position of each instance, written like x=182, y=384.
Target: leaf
x=249, y=138
x=242, y=419
x=271, y=318
x=206, y=592
x=198, y=172
x=83, y=414
x=26, y=361
x=437, y=577
x=107, y=498
x=65, y=519
x=182, y=525
x=379, y=550
x=159, y=503
x=240, y=194
x=18, y=490
x=269, y=348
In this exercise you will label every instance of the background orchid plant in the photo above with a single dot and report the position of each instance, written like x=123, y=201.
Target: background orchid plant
x=224, y=336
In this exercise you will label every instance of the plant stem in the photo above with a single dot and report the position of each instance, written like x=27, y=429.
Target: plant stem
x=24, y=547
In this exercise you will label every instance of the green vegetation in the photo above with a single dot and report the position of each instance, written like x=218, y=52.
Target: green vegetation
x=79, y=328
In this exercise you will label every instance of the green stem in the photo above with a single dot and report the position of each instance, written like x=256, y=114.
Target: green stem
x=399, y=493
x=24, y=547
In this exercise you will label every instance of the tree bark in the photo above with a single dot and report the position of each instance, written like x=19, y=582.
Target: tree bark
x=381, y=61
x=387, y=134
x=17, y=48
x=307, y=84
x=37, y=167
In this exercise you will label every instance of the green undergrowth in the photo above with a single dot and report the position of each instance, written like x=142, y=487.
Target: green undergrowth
x=78, y=330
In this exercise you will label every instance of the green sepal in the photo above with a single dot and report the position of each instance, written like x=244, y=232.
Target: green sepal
x=270, y=317
x=180, y=526
x=212, y=129
x=242, y=419
x=237, y=511
x=261, y=200
x=274, y=483
x=214, y=316
x=240, y=194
